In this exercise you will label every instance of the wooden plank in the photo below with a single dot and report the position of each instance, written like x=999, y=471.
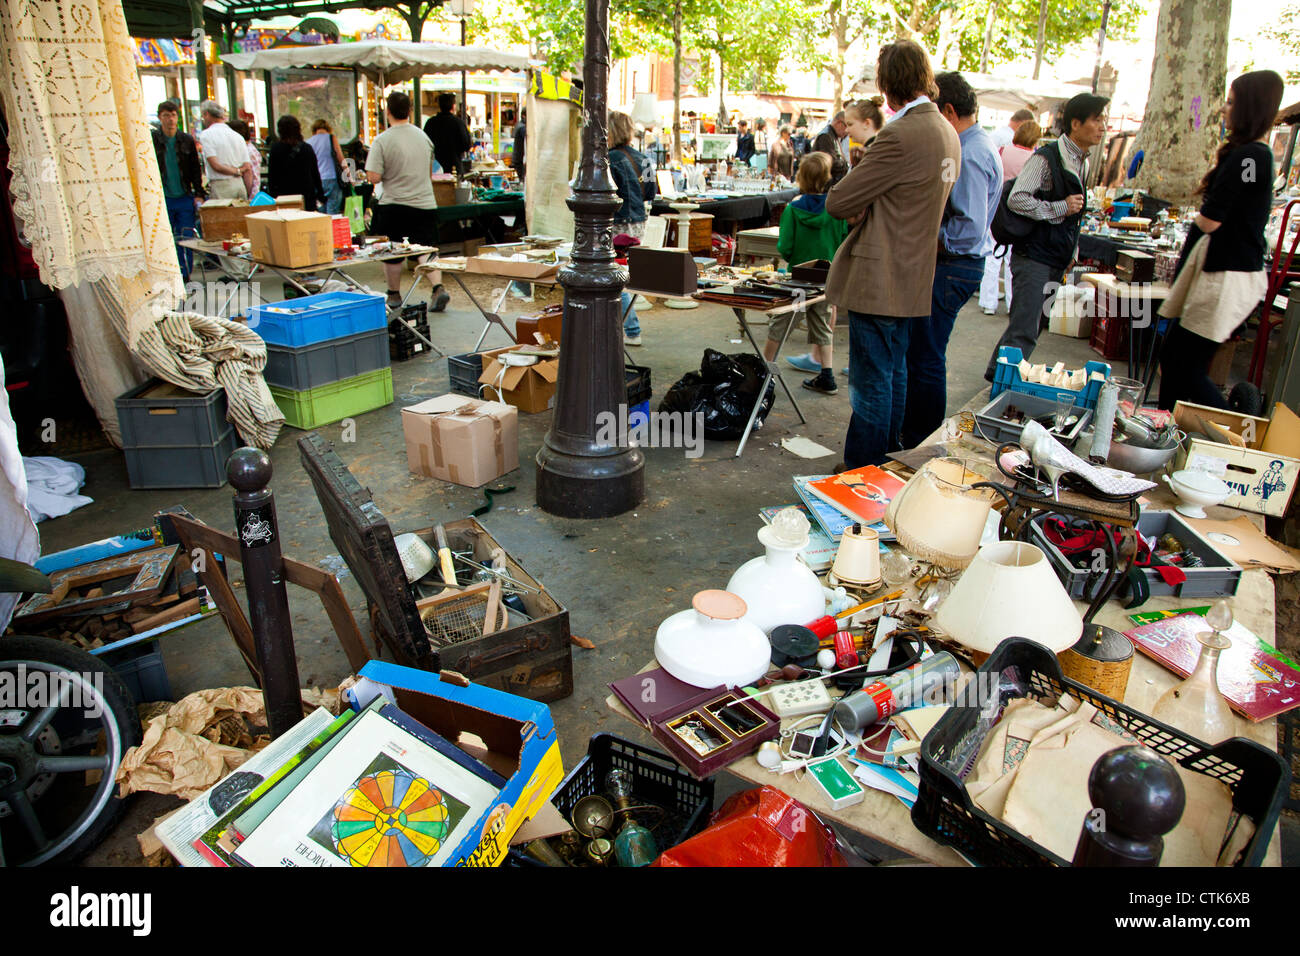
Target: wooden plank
x=331, y=597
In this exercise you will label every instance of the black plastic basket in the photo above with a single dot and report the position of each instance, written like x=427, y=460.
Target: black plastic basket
x=656, y=778
x=402, y=342
x=638, y=384
x=1257, y=777
x=463, y=372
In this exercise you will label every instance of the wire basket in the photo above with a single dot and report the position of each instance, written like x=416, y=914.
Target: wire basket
x=455, y=618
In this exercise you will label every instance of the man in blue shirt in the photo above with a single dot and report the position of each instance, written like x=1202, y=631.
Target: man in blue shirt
x=964, y=241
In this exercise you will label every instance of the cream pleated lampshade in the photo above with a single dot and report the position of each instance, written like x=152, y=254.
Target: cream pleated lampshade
x=1010, y=590
x=938, y=516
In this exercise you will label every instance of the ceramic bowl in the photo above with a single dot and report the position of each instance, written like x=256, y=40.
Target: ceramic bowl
x=1197, y=490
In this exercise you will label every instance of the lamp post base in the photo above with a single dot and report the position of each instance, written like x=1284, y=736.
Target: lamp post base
x=570, y=487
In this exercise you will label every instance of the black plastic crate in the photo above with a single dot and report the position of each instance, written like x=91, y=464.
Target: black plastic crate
x=463, y=371
x=181, y=466
x=1258, y=777
x=402, y=342
x=158, y=414
x=656, y=778
x=638, y=384
x=309, y=366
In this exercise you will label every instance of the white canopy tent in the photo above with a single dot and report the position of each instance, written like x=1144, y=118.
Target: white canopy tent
x=996, y=92
x=384, y=61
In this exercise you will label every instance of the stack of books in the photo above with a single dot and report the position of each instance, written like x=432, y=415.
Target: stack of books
x=368, y=788
x=833, y=503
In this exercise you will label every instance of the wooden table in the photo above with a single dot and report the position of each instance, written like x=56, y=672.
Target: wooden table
x=886, y=820
x=492, y=316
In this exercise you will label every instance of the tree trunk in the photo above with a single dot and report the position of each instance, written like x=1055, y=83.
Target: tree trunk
x=1180, y=130
x=722, y=83
x=1042, y=38
x=677, y=81
x=989, y=17
x=841, y=56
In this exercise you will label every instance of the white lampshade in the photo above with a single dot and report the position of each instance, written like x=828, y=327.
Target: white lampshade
x=645, y=109
x=937, y=516
x=1010, y=590
x=461, y=8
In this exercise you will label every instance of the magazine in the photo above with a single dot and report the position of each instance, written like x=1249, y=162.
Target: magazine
x=863, y=493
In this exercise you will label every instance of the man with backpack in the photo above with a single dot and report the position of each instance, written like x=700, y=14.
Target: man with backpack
x=1039, y=216
x=964, y=241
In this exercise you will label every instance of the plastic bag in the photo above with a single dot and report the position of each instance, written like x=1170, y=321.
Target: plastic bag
x=723, y=390
x=762, y=827
x=262, y=199
x=354, y=207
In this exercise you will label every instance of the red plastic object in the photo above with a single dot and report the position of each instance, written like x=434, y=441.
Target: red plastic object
x=845, y=653
x=824, y=627
x=762, y=827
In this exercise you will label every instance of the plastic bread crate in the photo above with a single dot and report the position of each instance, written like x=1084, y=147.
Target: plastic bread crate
x=307, y=366
x=1219, y=577
x=142, y=669
x=656, y=779
x=309, y=319
x=402, y=343
x=180, y=466
x=1006, y=377
x=1257, y=777
x=328, y=403
x=993, y=426
x=463, y=372
x=159, y=414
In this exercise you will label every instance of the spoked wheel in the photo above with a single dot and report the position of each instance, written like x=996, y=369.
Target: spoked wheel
x=65, y=722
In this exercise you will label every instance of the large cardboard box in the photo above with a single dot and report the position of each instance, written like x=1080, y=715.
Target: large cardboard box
x=1262, y=470
x=515, y=269
x=224, y=218
x=461, y=440
x=513, y=735
x=291, y=238
x=530, y=388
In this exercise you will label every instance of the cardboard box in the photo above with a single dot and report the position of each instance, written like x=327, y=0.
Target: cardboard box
x=291, y=238
x=1072, y=311
x=224, y=218
x=530, y=388
x=487, y=265
x=461, y=440
x=666, y=271
x=512, y=735
x=1262, y=471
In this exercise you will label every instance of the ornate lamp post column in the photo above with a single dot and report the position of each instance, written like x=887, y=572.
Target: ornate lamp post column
x=579, y=476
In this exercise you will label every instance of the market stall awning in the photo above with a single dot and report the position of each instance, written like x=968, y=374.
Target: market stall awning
x=995, y=92
x=396, y=61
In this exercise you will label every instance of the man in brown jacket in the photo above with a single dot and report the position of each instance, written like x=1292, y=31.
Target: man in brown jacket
x=883, y=272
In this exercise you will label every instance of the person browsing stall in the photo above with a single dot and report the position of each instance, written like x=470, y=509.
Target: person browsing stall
x=883, y=273
x=635, y=184
x=1221, y=270
x=998, y=263
x=828, y=141
x=964, y=241
x=291, y=167
x=1050, y=191
x=449, y=134
x=1003, y=136
x=744, y=143
x=401, y=164
x=329, y=162
x=182, y=178
x=807, y=233
x=225, y=153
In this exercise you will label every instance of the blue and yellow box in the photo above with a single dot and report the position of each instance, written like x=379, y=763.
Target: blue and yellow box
x=513, y=735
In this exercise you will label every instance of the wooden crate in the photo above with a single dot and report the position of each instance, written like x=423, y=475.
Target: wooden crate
x=224, y=219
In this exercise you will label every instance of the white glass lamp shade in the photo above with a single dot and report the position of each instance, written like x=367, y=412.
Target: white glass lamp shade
x=777, y=587
x=857, y=561
x=1010, y=590
x=938, y=517
x=711, y=644
x=645, y=109
x=461, y=8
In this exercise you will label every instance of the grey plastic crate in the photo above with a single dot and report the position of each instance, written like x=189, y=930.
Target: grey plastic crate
x=158, y=414
x=308, y=366
x=181, y=466
x=1219, y=577
x=993, y=426
x=142, y=669
x=463, y=371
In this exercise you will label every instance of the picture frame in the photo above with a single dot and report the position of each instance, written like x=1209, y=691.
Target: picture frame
x=145, y=572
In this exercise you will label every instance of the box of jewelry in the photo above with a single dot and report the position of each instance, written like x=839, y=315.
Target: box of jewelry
x=704, y=730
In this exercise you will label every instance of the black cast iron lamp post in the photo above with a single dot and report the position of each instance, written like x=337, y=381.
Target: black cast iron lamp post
x=579, y=476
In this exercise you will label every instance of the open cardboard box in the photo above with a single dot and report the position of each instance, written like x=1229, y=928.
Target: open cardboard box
x=1260, y=461
x=509, y=267
x=530, y=388
x=513, y=735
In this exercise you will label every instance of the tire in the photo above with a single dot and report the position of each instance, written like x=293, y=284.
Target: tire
x=117, y=725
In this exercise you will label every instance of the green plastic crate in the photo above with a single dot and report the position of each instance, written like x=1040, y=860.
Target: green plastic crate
x=329, y=403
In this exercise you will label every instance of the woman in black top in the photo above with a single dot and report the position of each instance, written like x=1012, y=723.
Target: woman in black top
x=291, y=166
x=1221, y=271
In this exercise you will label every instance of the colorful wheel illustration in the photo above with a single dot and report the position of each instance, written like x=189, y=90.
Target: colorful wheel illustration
x=390, y=818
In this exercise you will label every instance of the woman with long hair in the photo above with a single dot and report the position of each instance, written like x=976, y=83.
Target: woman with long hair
x=329, y=163
x=291, y=166
x=1221, y=272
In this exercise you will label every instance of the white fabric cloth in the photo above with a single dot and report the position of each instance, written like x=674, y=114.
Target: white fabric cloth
x=994, y=267
x=19, y=538
x=223, y=144
x=1212, y=304
x=52, y=487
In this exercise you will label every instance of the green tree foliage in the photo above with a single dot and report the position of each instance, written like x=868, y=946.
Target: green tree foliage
x=1015, y=28
x=1286, y=33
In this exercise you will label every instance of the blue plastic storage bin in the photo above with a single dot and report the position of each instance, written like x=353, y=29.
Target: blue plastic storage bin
x=1006, y=376
x=1119, y=210
x=318, y=318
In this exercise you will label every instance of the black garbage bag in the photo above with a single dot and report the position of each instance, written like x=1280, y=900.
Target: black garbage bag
x=724, y=390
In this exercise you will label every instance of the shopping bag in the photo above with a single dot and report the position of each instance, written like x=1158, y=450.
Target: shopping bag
x=354, y=207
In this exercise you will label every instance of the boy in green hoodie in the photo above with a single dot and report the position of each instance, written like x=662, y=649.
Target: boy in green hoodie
x=808, y=233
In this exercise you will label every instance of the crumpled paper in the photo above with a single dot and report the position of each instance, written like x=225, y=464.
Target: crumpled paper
x=200, y=739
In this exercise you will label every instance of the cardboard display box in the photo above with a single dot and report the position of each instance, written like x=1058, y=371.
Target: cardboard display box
x=291, y=238
x=1260, y=460
x=512, y=735
x=666, y=271
x=224, y=218
x=461, y=440
x=530, y=388
x=509, y=267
